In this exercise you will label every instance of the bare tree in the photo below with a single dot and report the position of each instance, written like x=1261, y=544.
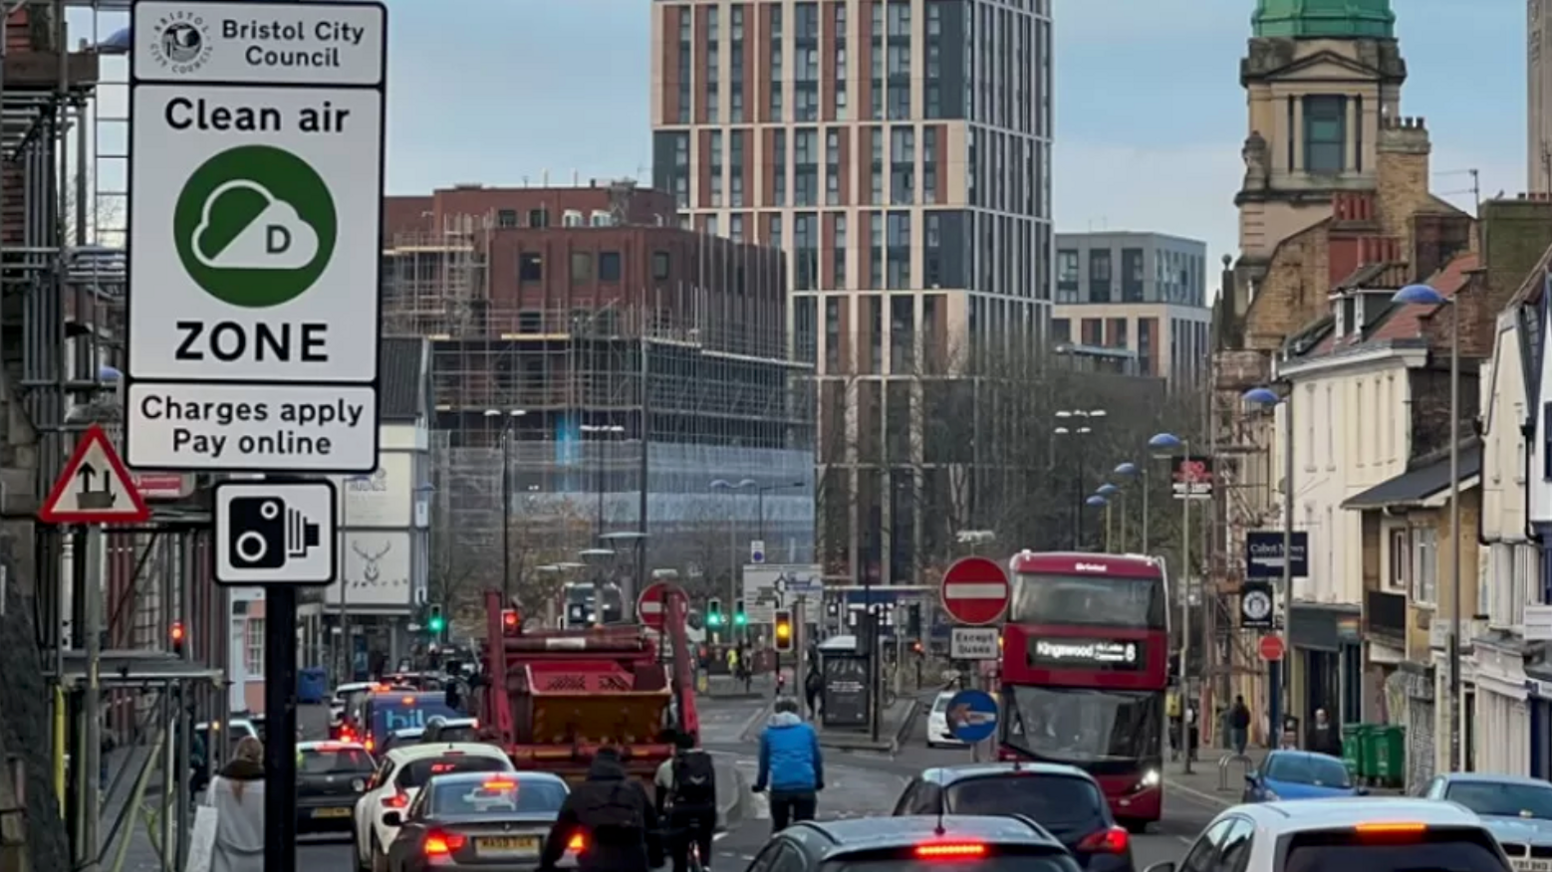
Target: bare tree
x=545, y=532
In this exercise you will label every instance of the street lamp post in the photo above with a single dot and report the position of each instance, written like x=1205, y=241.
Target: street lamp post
x=1423, y=295
x=1280, y=699
x=1108, y=492
x=1171, y=442
x=1129, y=470
x=1099, y=501
x=733, y=585
x=601, y=430
x=510, y=418
x=1078, y=422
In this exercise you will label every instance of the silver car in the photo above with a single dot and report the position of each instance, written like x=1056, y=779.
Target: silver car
x=1517, y=810
x=1367, y=834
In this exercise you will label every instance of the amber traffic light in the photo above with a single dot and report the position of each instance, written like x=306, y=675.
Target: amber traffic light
x=783, y=630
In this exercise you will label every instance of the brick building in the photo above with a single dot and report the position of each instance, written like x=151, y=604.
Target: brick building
x=574, y=329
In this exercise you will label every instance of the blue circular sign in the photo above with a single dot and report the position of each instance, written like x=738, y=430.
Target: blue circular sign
x=972, y=715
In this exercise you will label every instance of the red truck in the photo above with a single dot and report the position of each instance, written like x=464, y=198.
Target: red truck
x=554, y=697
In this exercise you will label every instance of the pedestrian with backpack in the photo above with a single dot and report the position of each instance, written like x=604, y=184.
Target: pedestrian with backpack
x=790, y=763
x=687, y=797
x=615, y=818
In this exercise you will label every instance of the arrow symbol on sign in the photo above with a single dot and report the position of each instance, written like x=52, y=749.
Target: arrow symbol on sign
x=86, y=474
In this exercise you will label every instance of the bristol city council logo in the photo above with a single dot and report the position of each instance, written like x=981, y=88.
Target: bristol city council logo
x=180, y=42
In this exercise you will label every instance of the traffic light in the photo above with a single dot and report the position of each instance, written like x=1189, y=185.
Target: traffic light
x=175, y=635
x=783, y=630
x=914, y=621
x=714, y=612
x=511, y=622
x=435, y=622
x=739, y=618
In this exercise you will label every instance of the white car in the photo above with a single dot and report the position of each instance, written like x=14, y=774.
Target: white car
x=938, y=735
x=1375, y=834
x=399, y=777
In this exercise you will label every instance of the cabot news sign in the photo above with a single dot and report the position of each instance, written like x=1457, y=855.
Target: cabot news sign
x=1264, y=554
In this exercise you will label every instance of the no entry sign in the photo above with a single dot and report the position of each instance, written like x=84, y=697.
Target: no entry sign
x=652, y=605
x=975, y=590
x=1271, y=648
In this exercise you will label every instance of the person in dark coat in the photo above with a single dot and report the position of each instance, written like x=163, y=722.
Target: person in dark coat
x=1324, y=737
x=615, y=817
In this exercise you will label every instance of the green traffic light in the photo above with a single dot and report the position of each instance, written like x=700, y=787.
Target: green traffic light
x=740, y=619
x=713, y=620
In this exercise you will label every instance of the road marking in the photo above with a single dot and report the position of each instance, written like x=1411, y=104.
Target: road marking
x=750, y=722
x=1199, y=796
x=1186, y=841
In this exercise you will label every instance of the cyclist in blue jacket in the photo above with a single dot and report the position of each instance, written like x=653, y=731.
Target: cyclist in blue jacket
x=791, y=765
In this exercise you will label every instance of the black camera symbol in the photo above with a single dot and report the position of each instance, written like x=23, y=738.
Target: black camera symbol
x=265, y=533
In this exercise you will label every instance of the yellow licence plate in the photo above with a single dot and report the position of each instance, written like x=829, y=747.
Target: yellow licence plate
x=1528, y=865
x=528, y=845
x=331, y=812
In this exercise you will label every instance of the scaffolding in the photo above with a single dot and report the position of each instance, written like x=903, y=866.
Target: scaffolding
x=604, y=419
x=96, y=605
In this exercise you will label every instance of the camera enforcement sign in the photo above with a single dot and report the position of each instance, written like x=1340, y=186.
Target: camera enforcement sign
x=275, y=533
x=256, y=188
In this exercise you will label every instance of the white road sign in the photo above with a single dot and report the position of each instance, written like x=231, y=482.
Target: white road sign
x=255, y=206
x=769, y=586
x=271, y=532
x=973, y=643
x=264, y=427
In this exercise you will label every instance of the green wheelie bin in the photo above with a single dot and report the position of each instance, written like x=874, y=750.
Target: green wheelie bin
x=1387, y=749
x=1352, y=748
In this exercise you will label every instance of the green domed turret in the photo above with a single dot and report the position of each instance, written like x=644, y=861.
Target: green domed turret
x=1324, y=19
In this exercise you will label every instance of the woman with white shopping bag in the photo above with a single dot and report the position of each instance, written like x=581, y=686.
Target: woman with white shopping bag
x=229, y=829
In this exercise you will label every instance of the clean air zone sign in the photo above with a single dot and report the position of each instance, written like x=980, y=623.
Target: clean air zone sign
x=256, y=187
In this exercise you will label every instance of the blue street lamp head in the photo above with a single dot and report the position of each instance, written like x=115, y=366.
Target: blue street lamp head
x=1127, y=468
x=1097, y=501
x=1419, y=295
x=1165, y=441
x=1262, y=397
x=108, y=374
x=1106, y=490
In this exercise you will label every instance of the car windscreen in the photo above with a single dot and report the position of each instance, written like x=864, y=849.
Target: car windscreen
x=1462, y=850
x=496, y=795
x=415, y=775
x=995, y=863
x=333, y=761
x=1305, y=769
x=1060, y=803
x=940, y=705
x=1502, y=799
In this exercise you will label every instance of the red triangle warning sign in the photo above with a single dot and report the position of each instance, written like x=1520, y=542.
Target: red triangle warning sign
x=94, y=487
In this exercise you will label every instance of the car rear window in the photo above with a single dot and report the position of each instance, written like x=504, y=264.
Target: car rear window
x=416, y=774
x=496, y=795
x=458, y=734
x=994, y=863
x=341, y=761
x=1057, y=802
x=1455, y=850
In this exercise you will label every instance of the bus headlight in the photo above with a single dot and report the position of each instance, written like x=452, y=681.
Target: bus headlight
x=1150, y=778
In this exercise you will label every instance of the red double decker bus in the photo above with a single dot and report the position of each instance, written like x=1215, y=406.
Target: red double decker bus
x=1085, y=667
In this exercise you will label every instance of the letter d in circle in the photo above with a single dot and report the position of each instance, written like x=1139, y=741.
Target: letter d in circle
x=277, y=239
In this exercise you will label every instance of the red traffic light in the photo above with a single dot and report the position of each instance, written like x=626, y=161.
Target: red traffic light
x=177, y=631
x=510, y=620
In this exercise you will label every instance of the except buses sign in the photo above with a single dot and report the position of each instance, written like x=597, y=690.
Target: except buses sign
x=255, y=205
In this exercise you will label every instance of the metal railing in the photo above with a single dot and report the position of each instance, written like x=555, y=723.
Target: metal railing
x=1228, y=760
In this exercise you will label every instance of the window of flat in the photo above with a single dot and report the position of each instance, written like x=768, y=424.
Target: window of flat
x=608, y=266
x=1325, y=133
x=660, y=265
x=530, y=267
x=506, y=218
x=581, y=266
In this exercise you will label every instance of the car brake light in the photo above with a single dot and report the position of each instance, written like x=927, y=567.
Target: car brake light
x=327, y=746
x=1389, y=830
x=409, y=700
x=576, y=844
x=948, y=850
x=1114, y=840
x=370, y=744
x=440, y=844
x=499, y=785
x=398, y=800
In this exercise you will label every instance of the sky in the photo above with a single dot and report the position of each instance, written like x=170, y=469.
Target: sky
x=1150, y=116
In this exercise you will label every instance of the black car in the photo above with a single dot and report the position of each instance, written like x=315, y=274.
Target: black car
x=330, y=777
x=926, y=843
x=486, y=821
x=1065, y=800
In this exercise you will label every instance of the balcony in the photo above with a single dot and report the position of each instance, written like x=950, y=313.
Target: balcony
x=1385, y=615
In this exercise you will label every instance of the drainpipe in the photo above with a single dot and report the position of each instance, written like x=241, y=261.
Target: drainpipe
x=1479, y=429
